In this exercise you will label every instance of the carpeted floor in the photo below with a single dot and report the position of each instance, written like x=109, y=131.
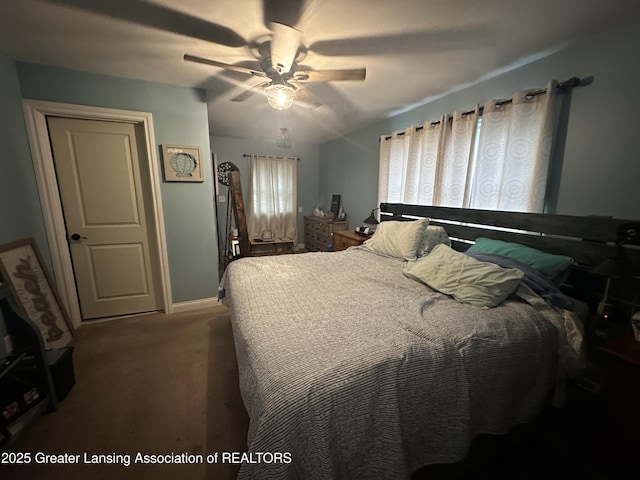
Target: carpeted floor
x=155, y=385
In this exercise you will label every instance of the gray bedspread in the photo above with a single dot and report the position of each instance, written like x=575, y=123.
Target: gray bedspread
x=358, y=372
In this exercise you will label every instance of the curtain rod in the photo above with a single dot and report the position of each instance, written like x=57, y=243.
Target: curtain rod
x=562, y=87
x=246, y=155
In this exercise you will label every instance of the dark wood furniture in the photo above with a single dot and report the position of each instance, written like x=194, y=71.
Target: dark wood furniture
x=587, y=239
x=318, y=232
x=277, y=246
x=26, y=384
x=599, y=429
x=234, y=246
x=343, y=239
x=621, y=389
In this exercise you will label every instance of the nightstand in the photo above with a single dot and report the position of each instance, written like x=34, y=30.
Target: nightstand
x=621, y=387
x=611, y=429
x=344, y=239
x=597, y=430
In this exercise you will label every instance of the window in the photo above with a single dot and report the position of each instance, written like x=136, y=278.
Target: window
x=272, y=196
x=495, y=157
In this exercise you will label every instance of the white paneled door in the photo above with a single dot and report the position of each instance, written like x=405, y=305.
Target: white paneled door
x=105, y=201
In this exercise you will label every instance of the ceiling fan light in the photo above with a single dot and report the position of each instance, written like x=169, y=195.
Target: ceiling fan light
x=283, y=140
x=280, y=96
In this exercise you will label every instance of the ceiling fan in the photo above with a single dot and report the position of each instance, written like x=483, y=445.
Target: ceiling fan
x=278, y=56
x=279, y=53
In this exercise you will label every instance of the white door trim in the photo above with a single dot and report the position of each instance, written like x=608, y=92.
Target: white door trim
x=35, y=112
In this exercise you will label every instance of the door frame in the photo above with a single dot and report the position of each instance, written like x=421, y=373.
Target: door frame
x=35, y=113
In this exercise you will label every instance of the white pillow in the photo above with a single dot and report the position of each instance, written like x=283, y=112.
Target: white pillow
x=464, y=278
x=433, y=236
x=398, y=239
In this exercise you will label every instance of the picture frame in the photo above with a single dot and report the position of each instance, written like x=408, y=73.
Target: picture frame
x=21, y=266
x=182, y=163
x=335, y=205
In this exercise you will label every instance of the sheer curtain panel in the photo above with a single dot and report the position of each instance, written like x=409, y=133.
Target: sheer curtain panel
x=408, y=163
x=429, y=165
x=272, y=196
x=497, y=159
x=454, y=162
x=514, y=149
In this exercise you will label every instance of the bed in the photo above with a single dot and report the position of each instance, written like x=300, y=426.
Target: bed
x=352, y=366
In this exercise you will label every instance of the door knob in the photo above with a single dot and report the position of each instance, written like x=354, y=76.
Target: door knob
x=77, y=236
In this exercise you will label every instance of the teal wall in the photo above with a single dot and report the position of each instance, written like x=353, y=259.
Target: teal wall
x=600, y=169
x=228, y=149
x=179, y=117
x=20, y=212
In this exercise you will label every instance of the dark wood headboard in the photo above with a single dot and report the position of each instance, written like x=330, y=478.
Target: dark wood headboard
x=587, y=239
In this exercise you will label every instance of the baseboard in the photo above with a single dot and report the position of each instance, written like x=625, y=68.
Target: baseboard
x=196, y=305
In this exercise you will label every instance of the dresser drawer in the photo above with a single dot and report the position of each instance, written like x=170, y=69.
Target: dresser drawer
x=318, y=232
x=322, y=229
x=316, y=242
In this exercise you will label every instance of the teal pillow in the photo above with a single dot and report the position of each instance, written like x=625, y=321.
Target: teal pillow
x=466, y=279
x=553, y=266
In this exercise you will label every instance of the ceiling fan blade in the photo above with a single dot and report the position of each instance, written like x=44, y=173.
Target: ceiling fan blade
x=241, y=97
x=287, y=12
x=156, y=16
x=284, y=46
x=405, y=42
x=306, y=75
x=226, y=66
x=304, y=98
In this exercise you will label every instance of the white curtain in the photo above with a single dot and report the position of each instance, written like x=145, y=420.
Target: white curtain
x=514, y=149
x=444, y=163
x=429, y=165
x=272, y=196
x=454, y=162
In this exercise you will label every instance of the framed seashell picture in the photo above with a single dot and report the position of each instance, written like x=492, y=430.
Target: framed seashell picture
x=181, y=163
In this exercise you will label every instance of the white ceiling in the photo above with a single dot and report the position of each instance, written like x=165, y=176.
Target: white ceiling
x=412, y=49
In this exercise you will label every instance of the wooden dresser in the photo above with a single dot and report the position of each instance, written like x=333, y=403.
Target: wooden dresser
x=344, y=239
x=318, y=232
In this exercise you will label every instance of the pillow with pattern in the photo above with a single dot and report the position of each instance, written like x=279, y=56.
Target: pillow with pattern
x=435, y=235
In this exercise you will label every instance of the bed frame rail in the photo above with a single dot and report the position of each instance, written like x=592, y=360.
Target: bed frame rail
x=587, y=239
